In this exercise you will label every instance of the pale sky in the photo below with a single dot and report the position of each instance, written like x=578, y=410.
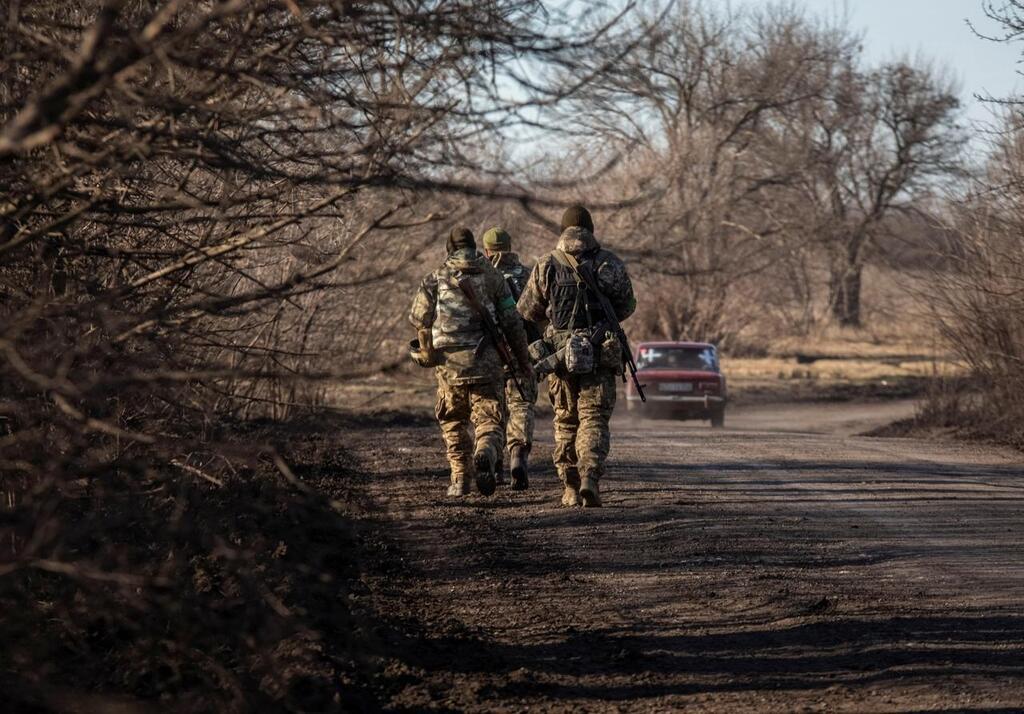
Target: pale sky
x=936, y=30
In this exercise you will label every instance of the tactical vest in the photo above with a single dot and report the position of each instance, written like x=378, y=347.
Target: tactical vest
x=572, y=306
x=456, y=323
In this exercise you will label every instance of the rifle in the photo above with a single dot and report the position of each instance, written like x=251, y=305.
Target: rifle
x=493, y=332
x=588, y=278
x=532, y=333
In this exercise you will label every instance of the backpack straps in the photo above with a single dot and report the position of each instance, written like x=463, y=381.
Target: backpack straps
x=568, y=260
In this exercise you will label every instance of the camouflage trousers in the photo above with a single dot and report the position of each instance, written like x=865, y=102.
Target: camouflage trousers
x=460, y=406
x=583, y=407
x=519, y=431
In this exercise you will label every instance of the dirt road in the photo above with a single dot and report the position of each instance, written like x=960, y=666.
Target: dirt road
x=781, y=564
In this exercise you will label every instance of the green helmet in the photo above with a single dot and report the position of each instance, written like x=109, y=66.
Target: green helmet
x=497, y=240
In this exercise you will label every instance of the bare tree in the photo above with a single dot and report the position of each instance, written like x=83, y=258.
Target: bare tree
x=700, y=111
x=878, y=141
x=762, y=141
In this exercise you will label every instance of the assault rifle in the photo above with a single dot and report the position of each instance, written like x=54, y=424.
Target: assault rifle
x=587, y=276
x=494, y=332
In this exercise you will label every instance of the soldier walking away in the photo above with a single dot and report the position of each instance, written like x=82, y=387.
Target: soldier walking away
x=467, y=327
x=519, y=430
x=575, y=288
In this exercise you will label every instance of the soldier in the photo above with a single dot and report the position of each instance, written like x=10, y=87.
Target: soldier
x=519, y=431
x=582, y=389
x=453, y=338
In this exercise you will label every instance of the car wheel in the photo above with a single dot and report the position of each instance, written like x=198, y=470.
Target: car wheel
x=718, y=418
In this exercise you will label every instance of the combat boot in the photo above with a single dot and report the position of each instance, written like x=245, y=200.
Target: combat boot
x=458, y=487
x=571, y=480
x=590, y=493
x=485, y=482
x=520, y=475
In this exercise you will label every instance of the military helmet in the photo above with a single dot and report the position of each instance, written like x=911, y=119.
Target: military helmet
x=497, y=240
x=418, y=355
x=577, y=216
x=460, y=237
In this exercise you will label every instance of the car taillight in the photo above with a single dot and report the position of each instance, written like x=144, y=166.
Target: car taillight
x=709, y=386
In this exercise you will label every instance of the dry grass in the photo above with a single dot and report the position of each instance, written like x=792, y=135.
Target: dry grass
x=898, y=346
x=828, y=372
x=847, y=344
x=879, y=362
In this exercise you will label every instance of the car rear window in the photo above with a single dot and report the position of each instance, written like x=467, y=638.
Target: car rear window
x=697, y=358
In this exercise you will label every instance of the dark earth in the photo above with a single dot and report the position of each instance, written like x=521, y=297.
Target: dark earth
x=781, y=564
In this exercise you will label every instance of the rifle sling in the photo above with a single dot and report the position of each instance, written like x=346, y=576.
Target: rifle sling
x=567, y=259
x=493, y=332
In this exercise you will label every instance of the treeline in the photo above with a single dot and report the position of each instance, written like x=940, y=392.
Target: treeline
x=770, y=150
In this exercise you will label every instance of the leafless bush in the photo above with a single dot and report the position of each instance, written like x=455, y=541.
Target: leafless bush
x=207, y=208
x=979, y=301
x=978, y=296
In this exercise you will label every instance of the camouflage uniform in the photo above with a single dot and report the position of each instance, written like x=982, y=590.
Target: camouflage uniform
x=470, y=381
x=582, y=403
x=519, y=432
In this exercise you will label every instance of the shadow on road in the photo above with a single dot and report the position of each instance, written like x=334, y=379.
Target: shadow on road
x=617, y=664
x=719, y=567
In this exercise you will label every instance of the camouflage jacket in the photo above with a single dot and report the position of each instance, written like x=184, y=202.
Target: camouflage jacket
x=456, y=329
x=517, y=275
x=514, y=272
x=552, y=288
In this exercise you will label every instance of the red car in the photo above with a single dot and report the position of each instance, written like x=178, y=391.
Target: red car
x=681, y=379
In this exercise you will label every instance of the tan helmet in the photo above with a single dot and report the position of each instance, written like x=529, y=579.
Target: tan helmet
x=419, y=355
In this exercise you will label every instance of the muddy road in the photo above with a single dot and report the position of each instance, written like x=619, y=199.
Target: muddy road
x=780, y=564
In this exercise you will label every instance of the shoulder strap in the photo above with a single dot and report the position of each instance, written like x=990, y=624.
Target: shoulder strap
x=566, y=259
x=569, y=261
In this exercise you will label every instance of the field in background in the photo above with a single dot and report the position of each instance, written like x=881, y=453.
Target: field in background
x=843, y=364
x=897, y=353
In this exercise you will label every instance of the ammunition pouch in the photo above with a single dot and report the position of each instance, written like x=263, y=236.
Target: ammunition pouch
x=564, y=351
x=579, y=354
x=538, y=349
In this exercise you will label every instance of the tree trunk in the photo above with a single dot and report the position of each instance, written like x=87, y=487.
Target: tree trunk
x=846, y=296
